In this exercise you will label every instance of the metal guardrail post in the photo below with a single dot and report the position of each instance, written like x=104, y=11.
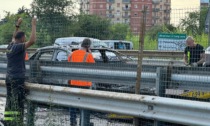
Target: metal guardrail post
x=85, y=118
x=30, y=113
x=160, y=82
x=35, y=72
x=160, y=88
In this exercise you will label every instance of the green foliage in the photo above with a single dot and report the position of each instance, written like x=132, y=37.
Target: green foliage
x=53, y=21
x=149, y=43
x=92, y=26
x=153, y=32
x=119, y=31
x=7, y=28
x=203, y=14
x=194, y=22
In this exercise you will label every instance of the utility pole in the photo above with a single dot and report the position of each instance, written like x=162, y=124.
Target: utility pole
x=140, y=56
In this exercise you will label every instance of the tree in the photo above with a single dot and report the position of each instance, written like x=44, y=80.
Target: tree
x=92, y=26
x=153, y=32
x=194, y=22
x=7, y=26
x=54, y=21
x=191, y=23
x=23, y=10
x=203, y=14
x=119, y=31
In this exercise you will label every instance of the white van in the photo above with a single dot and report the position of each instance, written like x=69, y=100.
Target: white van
x=119, y=44
x=75, y=42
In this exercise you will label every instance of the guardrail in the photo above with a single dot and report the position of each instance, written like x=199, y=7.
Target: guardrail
x=122, y=74
x=154, y=53
x=147, y=53
x=151, y=107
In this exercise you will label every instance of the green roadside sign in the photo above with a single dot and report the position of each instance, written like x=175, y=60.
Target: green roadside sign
x=171, y=42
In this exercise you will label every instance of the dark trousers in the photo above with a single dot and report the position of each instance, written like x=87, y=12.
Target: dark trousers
x=84, y=113
x=14, y=110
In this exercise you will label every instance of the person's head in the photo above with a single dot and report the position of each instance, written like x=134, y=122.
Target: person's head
x=20, y=37
x=190, y=41
x=86, y=43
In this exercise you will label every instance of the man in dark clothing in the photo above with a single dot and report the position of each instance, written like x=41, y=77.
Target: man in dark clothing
x=193, y=53
x=15, y=77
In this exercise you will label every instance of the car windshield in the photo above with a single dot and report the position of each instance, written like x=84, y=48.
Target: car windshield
x=99, y=44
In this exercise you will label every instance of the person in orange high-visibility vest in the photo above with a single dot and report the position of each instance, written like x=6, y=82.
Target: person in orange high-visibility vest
x=26, y=56
x=81, y=55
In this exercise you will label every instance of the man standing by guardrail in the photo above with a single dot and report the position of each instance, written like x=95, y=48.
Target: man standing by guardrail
x=193, y=53
x=15, y=77
x=79, y=56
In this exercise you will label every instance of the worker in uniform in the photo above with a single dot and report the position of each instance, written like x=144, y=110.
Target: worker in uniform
x=83, y=55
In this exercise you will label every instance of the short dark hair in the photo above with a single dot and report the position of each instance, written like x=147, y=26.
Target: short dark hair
x=86, y=43
x=19, y=34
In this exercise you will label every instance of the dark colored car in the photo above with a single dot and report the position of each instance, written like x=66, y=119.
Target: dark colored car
x=101, y=55
x=58, y=53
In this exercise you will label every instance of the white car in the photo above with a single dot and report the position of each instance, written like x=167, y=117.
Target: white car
x=75, y=42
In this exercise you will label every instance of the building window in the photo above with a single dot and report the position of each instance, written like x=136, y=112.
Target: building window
x=135, y=6
x=126, y=6
x=118, y=4
x=135, y=14
x=110, y=7
x=101, y=5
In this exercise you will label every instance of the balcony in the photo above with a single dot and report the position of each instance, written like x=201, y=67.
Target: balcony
x=110, y=16
x=126, y=8
x=167, y=4
x=156, y=2
x=167, y=11
x=110, y=1
x=155, y=9
x=126, y=16
x=110, y=9
x=127, y=22
x=155, y=17
x=166, y=18
x=126, y=1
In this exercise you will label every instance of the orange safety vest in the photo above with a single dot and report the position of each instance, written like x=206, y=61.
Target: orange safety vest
x=81, y=56
x=26, y=56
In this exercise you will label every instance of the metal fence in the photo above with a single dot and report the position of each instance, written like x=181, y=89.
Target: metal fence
x=163, y=72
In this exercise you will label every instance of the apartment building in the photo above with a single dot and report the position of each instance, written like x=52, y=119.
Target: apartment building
x=161, y=10
x=129, y=11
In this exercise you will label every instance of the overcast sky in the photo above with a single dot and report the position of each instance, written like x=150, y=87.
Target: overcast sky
x=12, y=6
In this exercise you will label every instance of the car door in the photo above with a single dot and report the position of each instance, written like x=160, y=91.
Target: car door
x=61, y=55
x=46, y=55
